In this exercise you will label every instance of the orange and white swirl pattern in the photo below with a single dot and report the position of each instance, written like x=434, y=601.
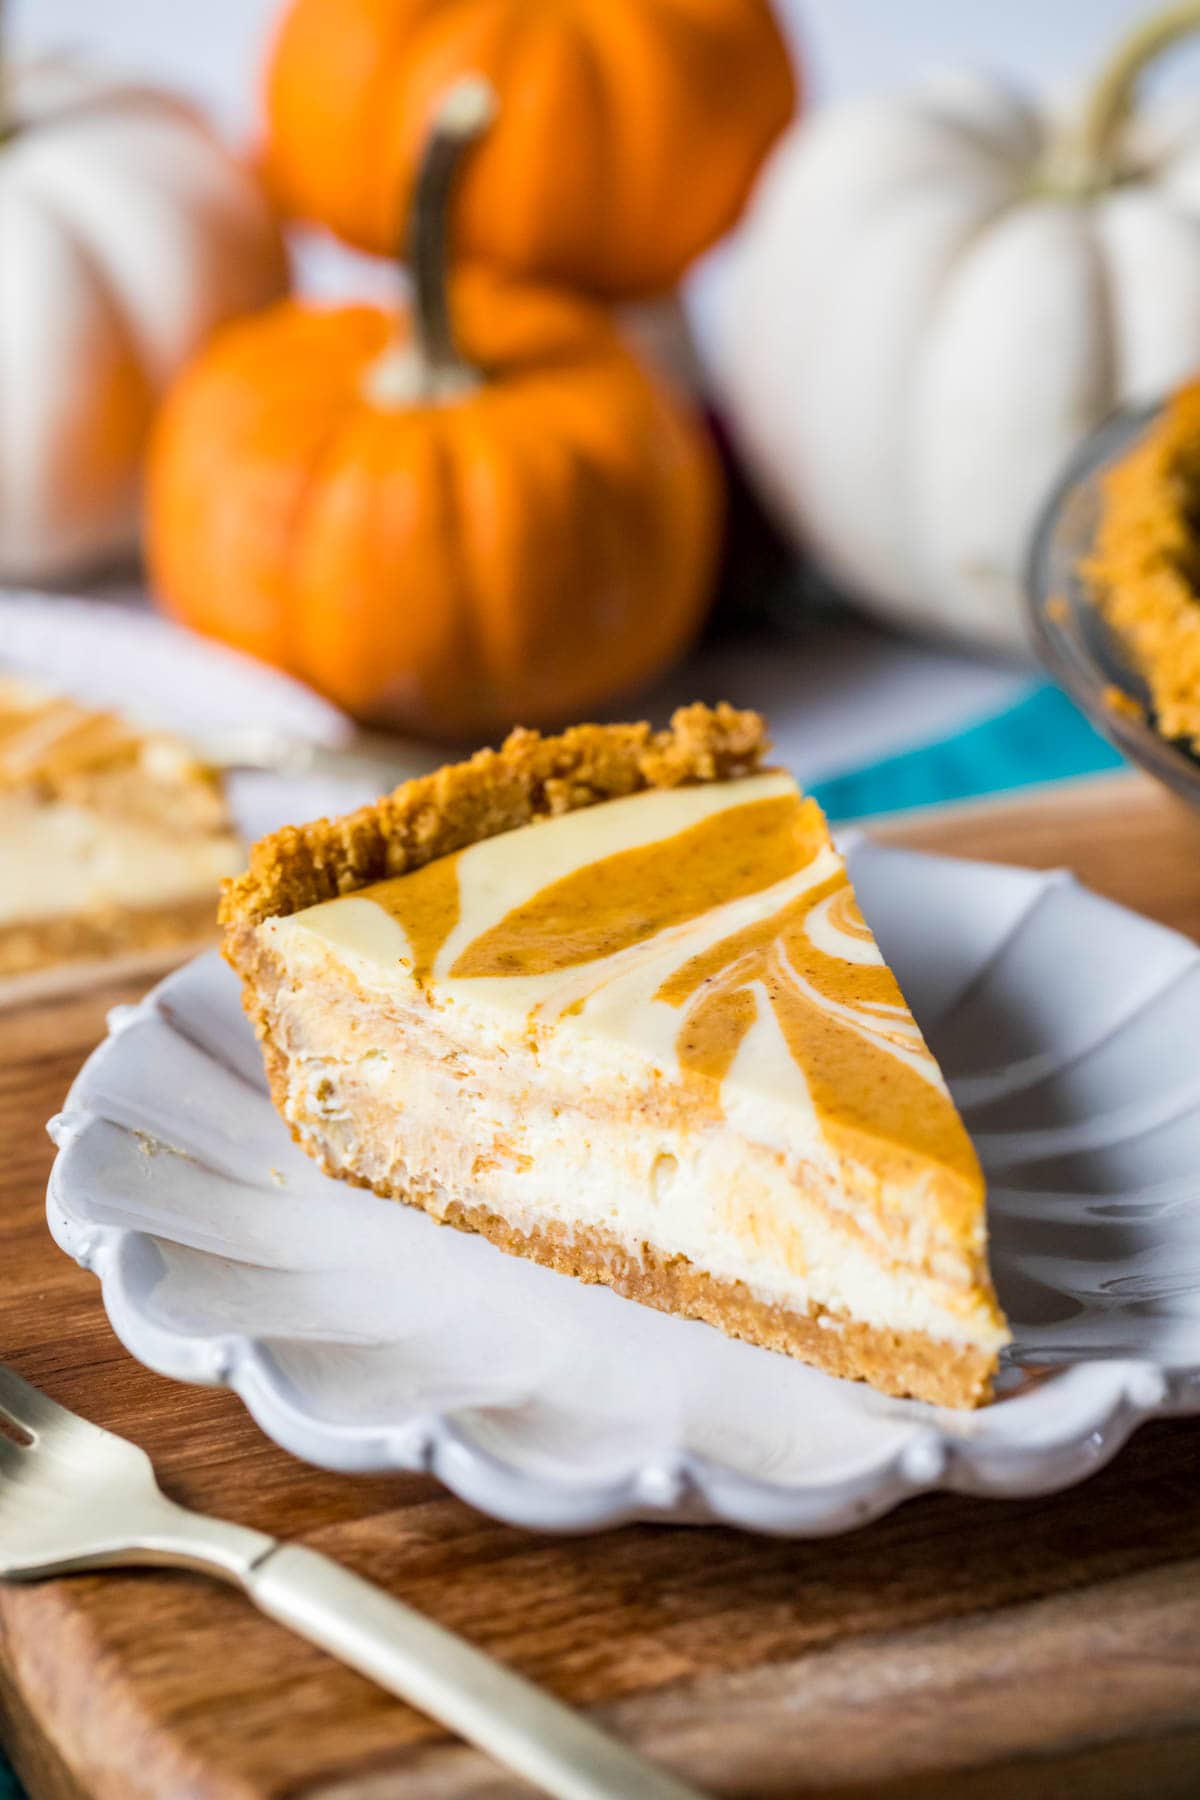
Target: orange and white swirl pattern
x=712, y=929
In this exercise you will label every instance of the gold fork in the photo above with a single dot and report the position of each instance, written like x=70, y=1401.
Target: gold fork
x=74, y=1497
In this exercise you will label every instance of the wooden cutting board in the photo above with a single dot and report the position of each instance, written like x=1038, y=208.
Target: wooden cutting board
x=1034, y=1648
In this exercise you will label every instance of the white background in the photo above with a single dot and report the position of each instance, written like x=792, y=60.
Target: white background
x=854, y=693
x=214, y=47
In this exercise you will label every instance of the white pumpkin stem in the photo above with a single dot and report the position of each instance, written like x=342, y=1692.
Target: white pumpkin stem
x=428, y=367
x=1088, y=159
x=7, y=124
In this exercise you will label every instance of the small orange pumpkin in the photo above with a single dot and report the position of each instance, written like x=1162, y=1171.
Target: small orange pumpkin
x=630, y=131
x=449, y=543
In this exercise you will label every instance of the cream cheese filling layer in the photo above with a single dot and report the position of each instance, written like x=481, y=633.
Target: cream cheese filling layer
x=618, y=994
x=57, y=860
x=485, y=1129
x=673, y=923
x=502, y=873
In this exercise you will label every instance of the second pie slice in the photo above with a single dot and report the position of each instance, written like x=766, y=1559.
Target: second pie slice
x=608, y=999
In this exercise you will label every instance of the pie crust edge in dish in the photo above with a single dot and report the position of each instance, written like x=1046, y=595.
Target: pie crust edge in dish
x=1143, y=571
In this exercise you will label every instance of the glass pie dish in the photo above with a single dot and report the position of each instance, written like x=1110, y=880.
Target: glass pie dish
x=1073, y=640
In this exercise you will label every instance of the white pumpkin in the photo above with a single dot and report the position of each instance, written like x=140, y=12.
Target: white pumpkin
x=126, y=234
x=933, y=299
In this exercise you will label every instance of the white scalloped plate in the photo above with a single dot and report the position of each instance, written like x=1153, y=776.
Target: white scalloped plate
x=363, y=1337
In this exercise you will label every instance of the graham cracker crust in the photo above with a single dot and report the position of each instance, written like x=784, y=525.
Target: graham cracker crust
x=1142, y=569
x=905, y=1364
x=529, y=777
x=901, y=1363
x=94, y=937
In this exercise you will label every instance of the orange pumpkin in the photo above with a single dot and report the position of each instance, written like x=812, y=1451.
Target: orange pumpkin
x=629, y=134
x=446, y=542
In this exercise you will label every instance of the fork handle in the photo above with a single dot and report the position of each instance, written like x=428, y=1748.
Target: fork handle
x=442, y=1675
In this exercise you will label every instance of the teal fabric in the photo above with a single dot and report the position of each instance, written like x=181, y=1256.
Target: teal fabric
x=1041, y=738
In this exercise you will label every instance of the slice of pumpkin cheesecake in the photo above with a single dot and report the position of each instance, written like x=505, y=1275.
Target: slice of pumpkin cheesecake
x=608, y=999
x=113, y=839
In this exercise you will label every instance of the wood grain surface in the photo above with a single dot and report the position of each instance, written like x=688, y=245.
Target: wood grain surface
x=957, y=1648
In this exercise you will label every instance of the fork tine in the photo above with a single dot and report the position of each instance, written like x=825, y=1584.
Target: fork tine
x=27, y=1408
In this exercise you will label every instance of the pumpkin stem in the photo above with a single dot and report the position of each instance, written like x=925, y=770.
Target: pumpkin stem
x=463, y=115
x=1087, y=160
x=7, y=124
x=424, y=366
